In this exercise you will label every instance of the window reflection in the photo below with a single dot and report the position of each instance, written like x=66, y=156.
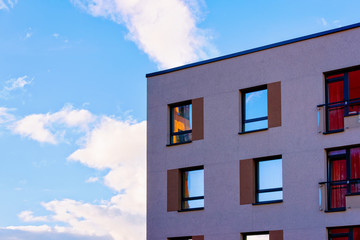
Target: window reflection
x=255, y=110
x=193, y=189
x=181, y=123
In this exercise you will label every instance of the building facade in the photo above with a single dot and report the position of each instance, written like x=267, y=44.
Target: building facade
x=260, y=144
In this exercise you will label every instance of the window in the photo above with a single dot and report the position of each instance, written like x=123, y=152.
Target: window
x=199, y=237
x=273, y=235
x=344, y=233
x=256, y=236
x=269, y=180
x=342, y=98
x=192, y=189
x=181, y=123
x=180, y=238
x=343, y=175
x=254, y=109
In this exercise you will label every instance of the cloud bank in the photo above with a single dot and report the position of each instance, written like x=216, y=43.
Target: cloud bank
x=108, y=143
x=166, y=30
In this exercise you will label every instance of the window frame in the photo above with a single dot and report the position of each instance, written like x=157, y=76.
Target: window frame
x=347, y=181
x=183, y=199
x=172, y=133
x=257, y=181
x=345, y=103
x=244, y=121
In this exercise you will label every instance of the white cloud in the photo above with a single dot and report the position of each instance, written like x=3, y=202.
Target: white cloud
x=7, y=5
x=5, y=116
x=165, y=30
x=119, y=146
x=27, y=216
x=41, y=127
x=16, y=83
x=324, y=22
x=92, y=179
x=55, y=35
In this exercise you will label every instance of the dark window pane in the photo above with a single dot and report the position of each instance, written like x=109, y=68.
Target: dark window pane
x=354, y=91
x=256, y=104
x=355, y=169
x=336, y=118
x=256, y=125
x=335, y=91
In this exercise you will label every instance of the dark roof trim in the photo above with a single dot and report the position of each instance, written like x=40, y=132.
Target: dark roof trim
x=294, y=40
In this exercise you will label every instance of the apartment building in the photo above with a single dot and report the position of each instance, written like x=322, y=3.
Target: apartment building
x=260, y=144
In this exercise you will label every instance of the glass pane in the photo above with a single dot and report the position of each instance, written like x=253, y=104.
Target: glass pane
x=258, y=237
x=270, y=174
x=338, y=193
x=181, y=138
x=354, y=84
x=256, y=104
x=182, y=118
x=256, y=125
x=337, y=152
x=354, y=91
x=355, y=169
x=335, y=118
x=338, y=170
x=194, y=183
x=270, y=196
x=335, y=91
x=193, y=204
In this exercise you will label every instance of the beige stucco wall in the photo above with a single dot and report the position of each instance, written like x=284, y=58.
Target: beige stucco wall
x=299, y=67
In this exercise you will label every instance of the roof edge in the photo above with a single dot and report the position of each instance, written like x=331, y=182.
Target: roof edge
x=253, y=50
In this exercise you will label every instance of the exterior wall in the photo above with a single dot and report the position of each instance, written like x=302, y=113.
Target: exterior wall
x=300, y=67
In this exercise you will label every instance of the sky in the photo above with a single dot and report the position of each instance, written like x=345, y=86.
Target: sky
x=73, y=98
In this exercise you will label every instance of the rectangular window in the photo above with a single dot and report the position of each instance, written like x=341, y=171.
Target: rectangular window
x=269, y=180
x=180, y=238
x=192, y=188
x=181, y=122
x=343, y=175
x=256, y=236
x=344, y=233
x=342, y=98
x=254, y=109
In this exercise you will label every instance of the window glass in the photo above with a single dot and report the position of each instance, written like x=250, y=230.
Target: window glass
x=343, y=175
x=193, y=189
x=269, y=180
x=258, y=237
x=181, y=123
x=255, y=112
x=256, y=104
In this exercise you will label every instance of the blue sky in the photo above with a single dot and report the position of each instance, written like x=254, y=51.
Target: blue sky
x=73, y=98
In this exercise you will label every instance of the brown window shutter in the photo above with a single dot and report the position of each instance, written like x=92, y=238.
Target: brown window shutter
x=173, y=190
x=276, y=235
x=274, y=104
x=198, y=119
x=247, y=181
x=200, y=237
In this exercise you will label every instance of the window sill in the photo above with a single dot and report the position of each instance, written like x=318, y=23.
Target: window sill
x=191, y=209
x=267, y=202
x=252, y=131
x=335, y=210
x=333, y=131
x=180, y=143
